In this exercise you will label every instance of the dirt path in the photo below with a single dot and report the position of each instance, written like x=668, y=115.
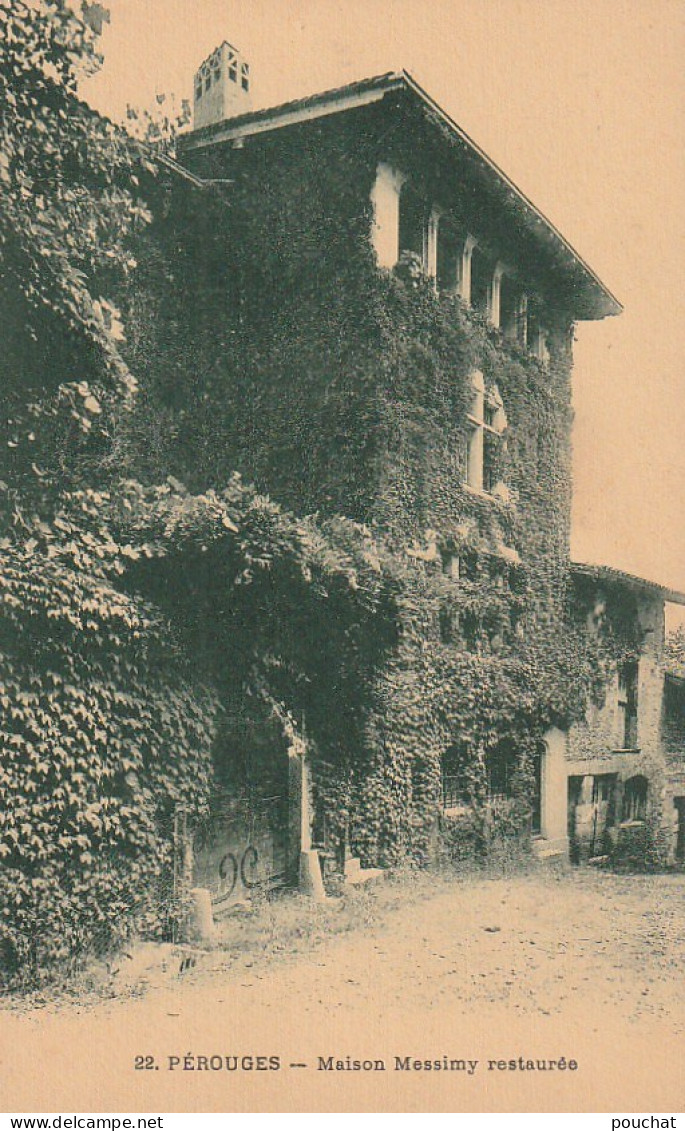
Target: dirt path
x=577, y=965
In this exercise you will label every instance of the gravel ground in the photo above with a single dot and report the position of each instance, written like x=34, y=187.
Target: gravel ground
x=553, y=964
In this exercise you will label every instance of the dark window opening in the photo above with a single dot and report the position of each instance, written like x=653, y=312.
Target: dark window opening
x=481, y=282
x=512, y=312
x=471, y=630
x=245, y=83
x=413, y=220
x=498, y=571
x=468, y=565
x=490, y=470
x=500, y=766
x=627, y=703
x=450, y=564
x=517, y=623
x=603, y=812
x=208, y=82
x=535, y=334
x=489, y=413
x=473, y=466
x=233, y=73
x=635, y=799
x=450, y=248
x=449, y=625
x=454, y=776
x=603, y=789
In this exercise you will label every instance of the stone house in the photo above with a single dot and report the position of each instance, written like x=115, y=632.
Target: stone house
x=382, y=327
x=625, y=760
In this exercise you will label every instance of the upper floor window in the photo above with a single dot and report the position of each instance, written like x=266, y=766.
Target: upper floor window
x=414, y=229
x=450, y=252
x=513, y=311
x=536, y=335
x=627, y=704
x=486, y=424
x=413, y=224
x=451, y=564
x=482, y=273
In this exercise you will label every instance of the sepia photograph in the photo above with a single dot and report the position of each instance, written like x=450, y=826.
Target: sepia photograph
x=342, y=561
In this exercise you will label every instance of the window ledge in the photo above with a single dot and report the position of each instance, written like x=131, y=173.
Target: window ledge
x=487, y=496
x=627, y=750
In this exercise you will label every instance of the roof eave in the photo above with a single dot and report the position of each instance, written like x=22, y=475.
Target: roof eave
x=595, y=302
x=615, y=576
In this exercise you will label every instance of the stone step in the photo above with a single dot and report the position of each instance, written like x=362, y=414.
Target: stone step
x=364, y=876
x=352, y=867
x=550, y=849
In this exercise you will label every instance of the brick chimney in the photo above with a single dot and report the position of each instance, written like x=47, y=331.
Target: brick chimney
x=222, y=87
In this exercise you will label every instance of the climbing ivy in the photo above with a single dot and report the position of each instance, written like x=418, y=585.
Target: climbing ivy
x=343, y=389
x=127, y=626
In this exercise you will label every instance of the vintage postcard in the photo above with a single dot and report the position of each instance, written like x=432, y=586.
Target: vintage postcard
x=342, y=557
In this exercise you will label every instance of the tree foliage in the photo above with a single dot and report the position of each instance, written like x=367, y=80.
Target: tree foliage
x=68, y=203
x=128, y=614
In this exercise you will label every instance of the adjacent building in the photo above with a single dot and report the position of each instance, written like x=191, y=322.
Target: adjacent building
x=625, y=760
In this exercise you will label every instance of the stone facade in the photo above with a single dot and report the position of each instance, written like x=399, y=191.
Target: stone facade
x=625, y=762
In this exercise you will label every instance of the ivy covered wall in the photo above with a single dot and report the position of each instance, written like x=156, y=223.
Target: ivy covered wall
x=286, y=354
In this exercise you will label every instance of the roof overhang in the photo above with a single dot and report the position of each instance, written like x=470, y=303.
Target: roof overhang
x=598, y=302
x=611, y=576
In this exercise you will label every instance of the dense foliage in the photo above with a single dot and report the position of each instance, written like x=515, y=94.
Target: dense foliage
x=68, y=203
x=130, y=616
x=108, y=727
x=341, y=388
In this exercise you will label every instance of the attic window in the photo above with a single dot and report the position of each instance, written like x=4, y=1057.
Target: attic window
x=413, y=224
x=513, y=311
x=481, y=282
x=450, y=251
x=536, y=335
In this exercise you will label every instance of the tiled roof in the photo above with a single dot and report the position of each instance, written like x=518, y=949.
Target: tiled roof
x=619, y=577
